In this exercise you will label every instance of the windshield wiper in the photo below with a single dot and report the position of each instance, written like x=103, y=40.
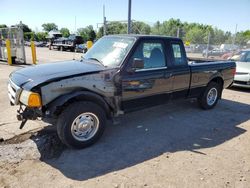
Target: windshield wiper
x=92, y=58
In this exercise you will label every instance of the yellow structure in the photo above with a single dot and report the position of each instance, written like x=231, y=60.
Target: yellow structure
x=89, y=44
x=33, y=52
x=8, y=51
x=187, y=43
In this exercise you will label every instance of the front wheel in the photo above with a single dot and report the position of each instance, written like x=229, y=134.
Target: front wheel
x=210, y=96
x=81, y=124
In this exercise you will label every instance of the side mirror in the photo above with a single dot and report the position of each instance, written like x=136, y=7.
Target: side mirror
x=136, y=64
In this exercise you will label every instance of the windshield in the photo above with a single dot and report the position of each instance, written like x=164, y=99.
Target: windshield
x=110, y=51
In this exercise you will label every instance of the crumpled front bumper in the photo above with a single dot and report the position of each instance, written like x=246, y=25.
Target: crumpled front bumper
x=25, y=113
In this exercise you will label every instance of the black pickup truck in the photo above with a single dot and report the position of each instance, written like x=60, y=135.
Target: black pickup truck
x=120, y=73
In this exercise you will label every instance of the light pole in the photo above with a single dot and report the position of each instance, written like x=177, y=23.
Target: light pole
x=129, y=16
x=104, y=22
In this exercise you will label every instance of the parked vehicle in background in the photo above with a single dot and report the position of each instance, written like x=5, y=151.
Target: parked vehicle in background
x=188, y=49
x=69, y=43
x=120, y=73
x=242, y=75
x=229, y=47
x=199, y=48
x=82, y=48
x=27, y=43
x=40, y=44
x=214, y=53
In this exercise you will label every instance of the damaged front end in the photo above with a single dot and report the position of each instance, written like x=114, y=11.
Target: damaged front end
x=29, y=103
x=25, y=113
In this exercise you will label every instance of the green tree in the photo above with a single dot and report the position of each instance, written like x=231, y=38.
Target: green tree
x=170, y=27
x=195, y=35
x=156, y=28
x=30, y=36
x=240, y=38
x=92, y=35
x=3, y=26
x=140, y=28
x=41, y=36
x=65, y=32
x=246, y=34
x=87, y=33
x=116, y=28
x=49, y=27
x=26, y=28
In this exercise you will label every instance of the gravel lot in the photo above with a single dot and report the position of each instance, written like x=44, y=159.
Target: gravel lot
x=173, y=145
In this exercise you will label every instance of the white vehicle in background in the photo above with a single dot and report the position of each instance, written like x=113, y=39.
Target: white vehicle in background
x=229, y=47
x=242, y=76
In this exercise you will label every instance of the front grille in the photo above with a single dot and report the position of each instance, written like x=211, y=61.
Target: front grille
x=13, y=92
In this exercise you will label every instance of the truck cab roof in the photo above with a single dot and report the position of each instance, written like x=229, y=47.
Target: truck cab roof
x=139, y=36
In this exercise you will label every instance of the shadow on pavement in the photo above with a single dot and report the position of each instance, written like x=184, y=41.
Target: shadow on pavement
x=245, y=90
x=147, y=134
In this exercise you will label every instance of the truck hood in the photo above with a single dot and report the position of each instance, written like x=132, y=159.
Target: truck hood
x=243, y=67
x=30, y=77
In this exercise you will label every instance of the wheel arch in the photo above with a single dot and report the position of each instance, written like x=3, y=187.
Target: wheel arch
x=56, y=107
x=219, y=80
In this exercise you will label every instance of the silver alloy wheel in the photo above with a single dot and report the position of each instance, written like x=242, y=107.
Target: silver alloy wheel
x=85, y=126
x=212, y=96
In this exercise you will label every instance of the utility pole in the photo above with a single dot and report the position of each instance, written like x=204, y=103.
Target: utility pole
x=234, y=38
x=129, y=16
x=178, y=32
x=75, y=24
x=104, y=22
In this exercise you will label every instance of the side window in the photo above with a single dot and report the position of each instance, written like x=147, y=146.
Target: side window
x=247, y=59
x=178, y=56
x=151, y=53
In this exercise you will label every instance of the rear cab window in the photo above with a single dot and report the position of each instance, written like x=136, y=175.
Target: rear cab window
x=178, y=54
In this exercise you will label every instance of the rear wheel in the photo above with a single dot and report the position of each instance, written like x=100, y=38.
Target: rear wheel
x=81, y=124
x=210, y=96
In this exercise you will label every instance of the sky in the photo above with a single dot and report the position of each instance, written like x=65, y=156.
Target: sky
x=223, y=14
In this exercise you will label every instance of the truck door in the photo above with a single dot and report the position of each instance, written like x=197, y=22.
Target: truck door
x=148, y=85
x=180, y=70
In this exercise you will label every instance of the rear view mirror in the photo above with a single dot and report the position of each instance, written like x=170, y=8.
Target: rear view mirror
x=138, y=63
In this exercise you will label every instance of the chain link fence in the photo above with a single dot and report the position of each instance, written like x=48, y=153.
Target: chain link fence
x=15, y=35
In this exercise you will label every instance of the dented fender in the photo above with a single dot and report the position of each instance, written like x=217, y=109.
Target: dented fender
x=55, y=107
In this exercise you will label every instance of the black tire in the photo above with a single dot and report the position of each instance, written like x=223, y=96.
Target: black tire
x=203, y=99
x=70, y=114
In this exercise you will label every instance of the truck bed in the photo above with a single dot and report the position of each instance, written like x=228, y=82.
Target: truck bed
x=204, y=71
x=201, y=60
